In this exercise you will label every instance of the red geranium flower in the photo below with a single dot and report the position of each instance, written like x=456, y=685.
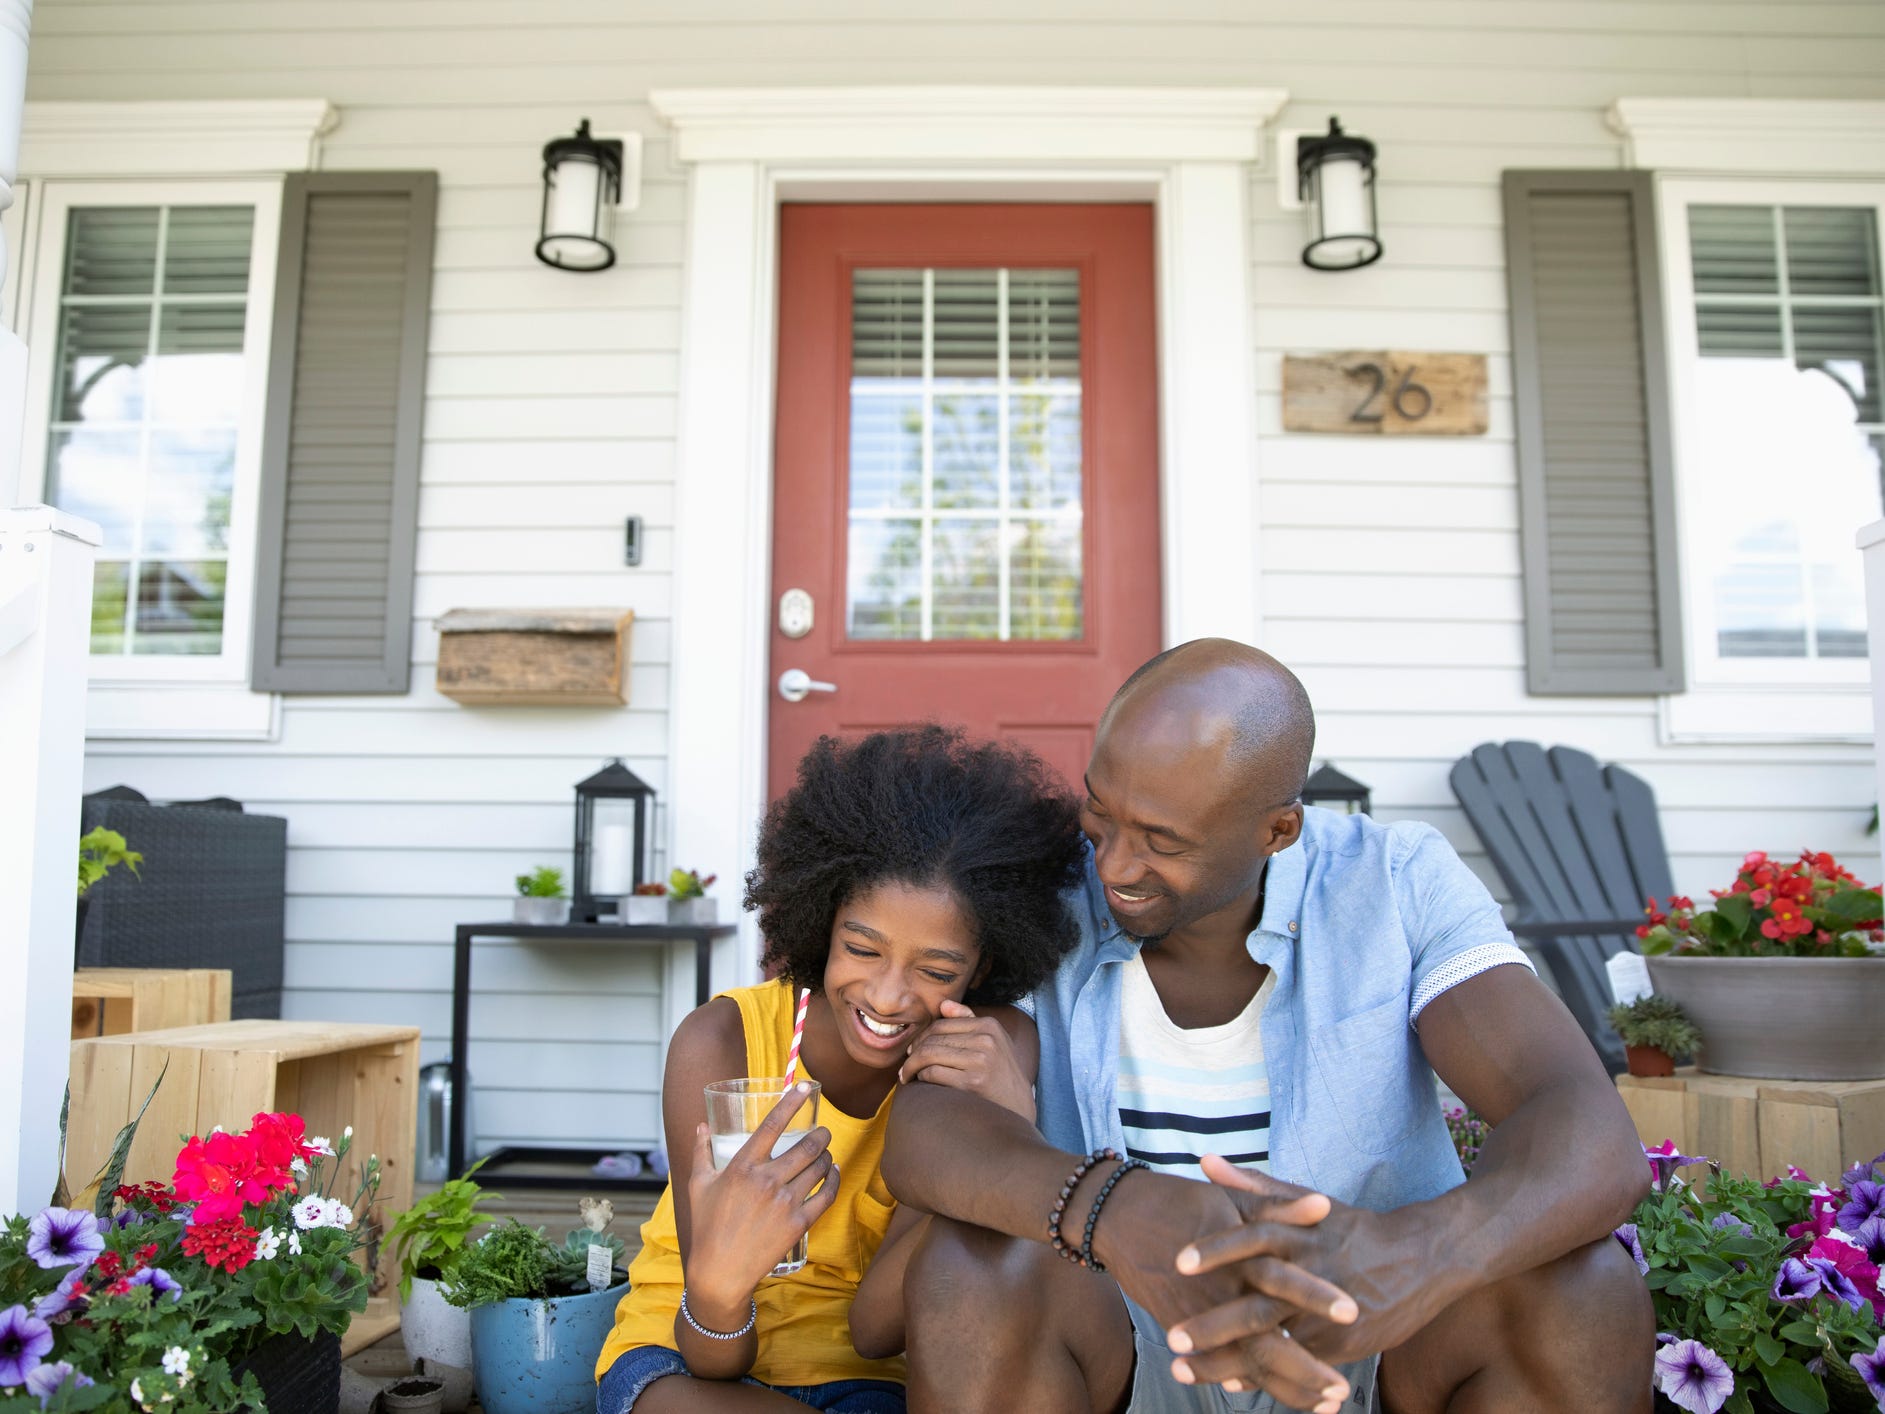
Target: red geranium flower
x=221, y=1174
x=278, y=1142
x=228, y=1243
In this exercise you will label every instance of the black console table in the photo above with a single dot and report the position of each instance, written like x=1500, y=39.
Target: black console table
x=617, y=934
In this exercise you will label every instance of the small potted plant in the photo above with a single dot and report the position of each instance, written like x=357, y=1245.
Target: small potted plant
x=688, y=903
x=648, y=904
x=427, y=1240
x=100, y=851
x=1656, y=1034
x=540, y=1311
x=540, y=897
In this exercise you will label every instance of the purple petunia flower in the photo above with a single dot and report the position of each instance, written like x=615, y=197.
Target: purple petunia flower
x=63, y=1237
x=1864, y=1200
x=1693, y=1376
x=159, y=1281
x=126, y=1217
x=1729, y=1220
x=48, y=1380
x=1633, y=1245
x=60, y=1299
x=1870, y=1238
x=1664, y=1161
x=1795, y=1281
x=24, y=1341
x=1871, y=1369
x=1837, y=1284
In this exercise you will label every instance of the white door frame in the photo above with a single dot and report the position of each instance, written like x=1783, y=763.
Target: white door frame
x=1191, y=152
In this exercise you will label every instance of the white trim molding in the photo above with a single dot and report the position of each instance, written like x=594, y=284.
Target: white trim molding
x=1793, y=137
x=1189, y=152
x=237, y=137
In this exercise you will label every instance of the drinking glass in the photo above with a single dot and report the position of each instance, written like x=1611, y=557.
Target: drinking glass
x=735, y=1109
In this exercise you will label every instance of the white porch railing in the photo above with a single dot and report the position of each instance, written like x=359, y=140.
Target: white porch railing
x=1872, y=548
x=45, y=614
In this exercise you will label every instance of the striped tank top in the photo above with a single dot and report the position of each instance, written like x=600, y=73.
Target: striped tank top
x=1184, y=1094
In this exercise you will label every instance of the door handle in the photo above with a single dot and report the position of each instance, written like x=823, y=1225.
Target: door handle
x=795, y=685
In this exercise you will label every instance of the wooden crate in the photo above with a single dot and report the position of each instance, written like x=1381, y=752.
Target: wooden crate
x=111, y=1001
x=329, y=1073
x=1757, y=1127
x=554, y=658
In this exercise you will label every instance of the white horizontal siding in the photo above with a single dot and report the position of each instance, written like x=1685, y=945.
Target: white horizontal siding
x=1390, y=567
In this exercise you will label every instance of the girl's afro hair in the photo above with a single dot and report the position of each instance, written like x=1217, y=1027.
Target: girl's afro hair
x=929, y=807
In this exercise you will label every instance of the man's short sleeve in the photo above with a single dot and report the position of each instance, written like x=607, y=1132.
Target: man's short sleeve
x=1453, y=926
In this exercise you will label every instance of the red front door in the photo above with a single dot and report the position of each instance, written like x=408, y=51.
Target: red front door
x=966, y=492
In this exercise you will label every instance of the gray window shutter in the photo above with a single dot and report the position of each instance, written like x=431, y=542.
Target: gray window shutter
x=1591, y=390
x=340, y=454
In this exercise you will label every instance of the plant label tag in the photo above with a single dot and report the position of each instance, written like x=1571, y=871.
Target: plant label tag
x=600, y=1263
x=1629, y=977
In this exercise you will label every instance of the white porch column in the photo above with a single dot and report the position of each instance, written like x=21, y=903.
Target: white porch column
x=15, y=18
x=45, y=613
x=1872, y=549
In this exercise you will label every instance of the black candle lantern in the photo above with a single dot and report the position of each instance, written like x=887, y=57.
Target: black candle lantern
x=582, y=184
x=1335, y=180
x=1329, y=787
x=611, y=840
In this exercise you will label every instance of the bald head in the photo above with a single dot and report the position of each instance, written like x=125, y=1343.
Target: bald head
x=1213, y=691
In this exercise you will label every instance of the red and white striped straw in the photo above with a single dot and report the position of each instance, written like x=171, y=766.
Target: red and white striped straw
x=798, y=1037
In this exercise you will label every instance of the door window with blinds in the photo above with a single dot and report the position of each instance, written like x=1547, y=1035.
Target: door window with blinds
x=148, y=351
x=965, y=516
x=1784, y=434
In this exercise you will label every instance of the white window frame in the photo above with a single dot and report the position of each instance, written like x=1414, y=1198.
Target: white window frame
x=179, y=147
x=56, y=202
x=1741, y=699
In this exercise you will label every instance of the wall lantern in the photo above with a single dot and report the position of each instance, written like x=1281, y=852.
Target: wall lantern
x=585, y=179
x=611, y=840
x=1331, y=176
x=1332, y=789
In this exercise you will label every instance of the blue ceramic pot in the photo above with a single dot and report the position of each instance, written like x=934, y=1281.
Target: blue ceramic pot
x=539, y=1357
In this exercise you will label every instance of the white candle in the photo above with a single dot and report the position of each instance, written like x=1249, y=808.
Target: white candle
x=612, y=863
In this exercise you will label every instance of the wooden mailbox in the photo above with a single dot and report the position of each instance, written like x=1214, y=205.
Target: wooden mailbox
x=547, y=657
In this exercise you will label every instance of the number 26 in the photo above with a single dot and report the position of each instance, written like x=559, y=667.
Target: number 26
x=1410, y=400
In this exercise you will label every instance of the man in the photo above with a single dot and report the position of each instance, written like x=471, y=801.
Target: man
x=1278, y=988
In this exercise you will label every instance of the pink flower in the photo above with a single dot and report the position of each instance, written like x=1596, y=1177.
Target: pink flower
x=1855, y=1265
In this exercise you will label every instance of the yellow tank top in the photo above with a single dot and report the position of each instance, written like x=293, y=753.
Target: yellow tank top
x=804, y=1318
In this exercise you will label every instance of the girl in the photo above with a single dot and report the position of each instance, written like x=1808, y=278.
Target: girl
x=904, y=875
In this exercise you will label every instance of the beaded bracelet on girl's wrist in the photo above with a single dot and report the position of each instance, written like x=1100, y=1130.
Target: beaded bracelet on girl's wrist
x=688, y=1316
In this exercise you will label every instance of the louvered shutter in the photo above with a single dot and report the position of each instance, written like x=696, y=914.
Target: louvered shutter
x=1591, y=392
x=340, y=456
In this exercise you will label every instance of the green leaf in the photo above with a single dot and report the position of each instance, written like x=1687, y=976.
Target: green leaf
x=1768, y=1350
x=1801, y=1333
x=1794, y=1387
x=112, y=1174
x=1739, y=1403
x=1736, y=910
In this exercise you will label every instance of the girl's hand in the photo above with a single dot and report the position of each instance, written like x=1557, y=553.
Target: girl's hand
x=746, y=1216
x=973, y=1053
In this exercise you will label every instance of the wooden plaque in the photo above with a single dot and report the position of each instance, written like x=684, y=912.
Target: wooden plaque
x=1385, y=392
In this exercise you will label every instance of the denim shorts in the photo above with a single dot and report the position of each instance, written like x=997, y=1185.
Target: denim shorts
x=634, y=1370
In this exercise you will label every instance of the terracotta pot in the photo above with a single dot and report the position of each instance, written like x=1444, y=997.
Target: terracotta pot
x=1648, y=1061
x=1781, y=1018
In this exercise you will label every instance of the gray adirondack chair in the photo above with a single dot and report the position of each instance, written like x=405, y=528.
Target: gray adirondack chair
x=1579, y=848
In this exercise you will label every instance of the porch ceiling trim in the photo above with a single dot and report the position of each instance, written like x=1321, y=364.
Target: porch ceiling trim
x=1190, y=152
x=1794, y=137
x=161, y=138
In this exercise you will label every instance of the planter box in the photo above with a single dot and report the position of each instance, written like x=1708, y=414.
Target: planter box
x=111, y=1001
x=553, y=658
x=1781, y=1018
x=331, y=1074
x=1757, y=1127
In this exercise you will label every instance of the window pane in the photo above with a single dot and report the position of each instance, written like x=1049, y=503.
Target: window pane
x=968, y=452
x=198, y=373
x=887, y=324
x=1842, y=343
x=1043, y=325
x=109, y=581
x=885, y=593
x=886, y=452
x=111, y=250
x=966, y=572
x=206, y=250
x=99, y=475
x=180, y=607
x=1732, y=249
x=101, y=363
x=968, y=333
x=1044, y=572
x=1044, y=451
x=1831, y=250
x=192, y=481
x=1740, y=331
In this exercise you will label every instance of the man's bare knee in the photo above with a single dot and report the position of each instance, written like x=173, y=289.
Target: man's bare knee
x=960, y=1272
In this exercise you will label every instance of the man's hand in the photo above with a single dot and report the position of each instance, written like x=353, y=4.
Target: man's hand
x=1383, y=1260
x=973, y=1053
x=1148, y=1220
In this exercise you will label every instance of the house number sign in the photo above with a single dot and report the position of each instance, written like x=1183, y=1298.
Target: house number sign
x=1385, y=393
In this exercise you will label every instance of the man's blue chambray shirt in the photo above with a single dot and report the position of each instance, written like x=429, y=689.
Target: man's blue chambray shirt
x=1363, y=925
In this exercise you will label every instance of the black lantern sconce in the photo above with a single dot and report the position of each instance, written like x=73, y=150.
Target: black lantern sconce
x=611, y=841
x=1333, y=790
x=585, y=180
x=1332, y=176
